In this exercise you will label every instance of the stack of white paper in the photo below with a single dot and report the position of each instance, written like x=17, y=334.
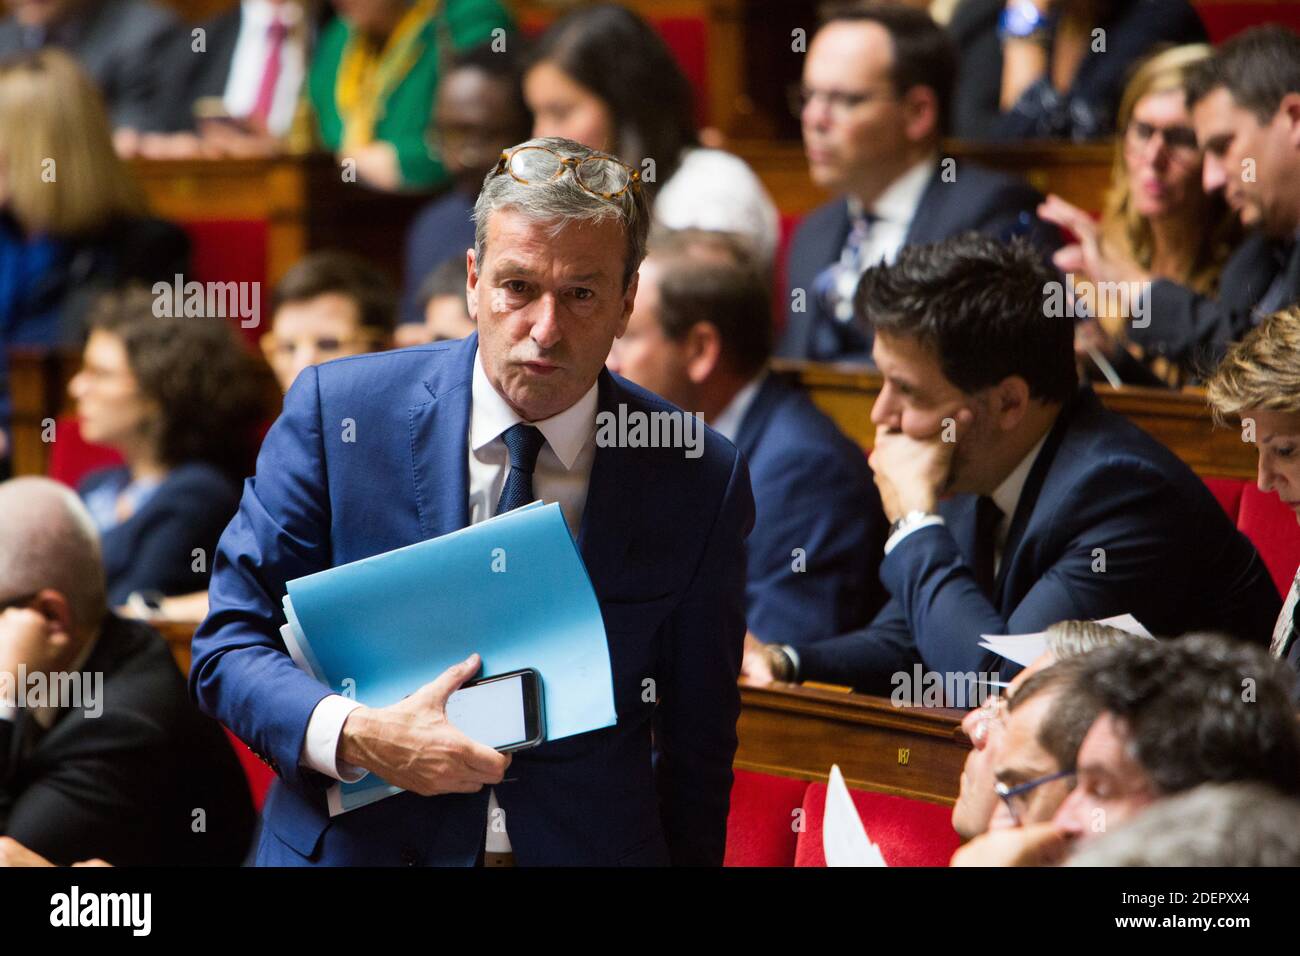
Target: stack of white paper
x=1024, y=649
x=844, y=837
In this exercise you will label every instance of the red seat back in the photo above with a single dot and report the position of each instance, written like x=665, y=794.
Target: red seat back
x=1224, y=18
x=1272, y=527
x=72, y=457
x=259, y=774
x=908, y=832
x=761, y=824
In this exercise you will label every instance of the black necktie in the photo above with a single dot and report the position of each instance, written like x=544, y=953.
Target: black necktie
x=523, y=442
x=987, y=518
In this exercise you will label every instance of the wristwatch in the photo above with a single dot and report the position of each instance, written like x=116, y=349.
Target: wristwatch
x=781, y=663
x=1022, y=20
x=907, y=520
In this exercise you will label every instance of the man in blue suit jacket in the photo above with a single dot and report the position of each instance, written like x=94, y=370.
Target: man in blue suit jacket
x=877, y=92
x=1056, y=508
x=700, y=337
x=552, y=279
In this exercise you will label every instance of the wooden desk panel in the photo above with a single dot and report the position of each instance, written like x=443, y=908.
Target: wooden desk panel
x=795, y=731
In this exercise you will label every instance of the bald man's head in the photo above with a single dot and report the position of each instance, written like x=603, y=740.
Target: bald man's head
x=48, y=541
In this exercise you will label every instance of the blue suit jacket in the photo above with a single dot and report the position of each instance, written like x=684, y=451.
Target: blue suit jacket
x=813, y=491
x=663, y=540
x=1100, y=490
x=979, y=200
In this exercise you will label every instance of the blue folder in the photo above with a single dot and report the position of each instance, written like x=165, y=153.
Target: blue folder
x=512, y=588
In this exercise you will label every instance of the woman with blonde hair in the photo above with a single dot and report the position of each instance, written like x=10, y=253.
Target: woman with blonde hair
x=1158, y=221
x=72, y=220
x=1257, y=386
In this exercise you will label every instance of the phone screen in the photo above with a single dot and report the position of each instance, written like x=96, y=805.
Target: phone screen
x=491, y=713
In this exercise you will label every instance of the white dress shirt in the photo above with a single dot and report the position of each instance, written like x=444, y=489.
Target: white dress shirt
x=728, y=422
x=894, y=210
x=561, y=475
x=249, y=62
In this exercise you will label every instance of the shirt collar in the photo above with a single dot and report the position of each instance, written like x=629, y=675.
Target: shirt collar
x=259, y=13
x=728, y=422
x=567, y=433
x=1007, y=495
x=901, y=197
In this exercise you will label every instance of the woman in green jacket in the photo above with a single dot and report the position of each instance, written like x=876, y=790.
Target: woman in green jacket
x=374, y=75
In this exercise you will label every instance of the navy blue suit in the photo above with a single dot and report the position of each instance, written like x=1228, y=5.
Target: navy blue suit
x=663, y=540
x=1100, y=489
x=154, y=548
x=813, y=491
x=979, y=200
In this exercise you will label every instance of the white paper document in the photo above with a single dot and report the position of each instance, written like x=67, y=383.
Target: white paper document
x=1024, y=649
x=844, y=837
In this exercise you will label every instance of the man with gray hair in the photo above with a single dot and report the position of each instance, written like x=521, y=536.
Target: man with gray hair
x=101, y=754
x=450, y=434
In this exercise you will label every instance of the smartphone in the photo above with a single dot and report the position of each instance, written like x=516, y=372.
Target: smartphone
x=503, y=712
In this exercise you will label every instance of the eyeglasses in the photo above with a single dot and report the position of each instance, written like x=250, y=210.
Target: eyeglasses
x=1181, y=139
x=1014, y=797
x=840, y=102
x=600, y=175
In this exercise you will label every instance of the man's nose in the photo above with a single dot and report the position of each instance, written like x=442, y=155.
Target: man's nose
x=1212, y=175
x=1070, y=815
x=885, y=411
x=546, y=325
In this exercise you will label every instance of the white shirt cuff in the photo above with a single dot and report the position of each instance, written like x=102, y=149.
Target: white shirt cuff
x=902, y=533
x=320, y=747
x=8, y=713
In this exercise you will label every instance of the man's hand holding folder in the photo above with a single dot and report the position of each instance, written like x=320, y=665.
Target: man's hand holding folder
x=412, y=745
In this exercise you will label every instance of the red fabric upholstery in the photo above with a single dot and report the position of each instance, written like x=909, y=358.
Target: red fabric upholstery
x=1228, y=491
x=1272, y=526
x=231, y=251
x=72, y=457
x=259, y=774
x=908, y=832
x=760, y=827
x=1223, y=19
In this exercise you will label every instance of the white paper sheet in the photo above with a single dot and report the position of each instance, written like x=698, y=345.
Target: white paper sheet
x=844, y=837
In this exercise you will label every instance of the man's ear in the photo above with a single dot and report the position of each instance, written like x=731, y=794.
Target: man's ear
x=1289, y=111
x=1010, y=402
x=54, y=607
x=629, y=302
x=471, y=285
x=920, y=113
x=703, y=349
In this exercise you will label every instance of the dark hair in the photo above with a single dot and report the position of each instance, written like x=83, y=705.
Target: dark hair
x=206, y=384
x=501, y=66
x=979, y=305
x=712, y=277
x=1257, y=67
x=447, y=279
x=1070, y=715
x=924, y=53
x=342, y=273
x=1200, y=708
x=619, y=57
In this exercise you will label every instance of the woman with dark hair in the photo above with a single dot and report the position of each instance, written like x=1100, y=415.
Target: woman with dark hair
x=179, y=399
x=603, y=77
x=1055, y=69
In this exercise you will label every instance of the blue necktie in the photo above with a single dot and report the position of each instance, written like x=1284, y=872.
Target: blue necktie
x=523, y=442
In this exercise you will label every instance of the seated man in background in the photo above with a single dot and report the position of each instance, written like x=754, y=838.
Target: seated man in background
x=1245, y=103
x=442, y=303
x=1016, y=499
x=330, y=304
x=700, y=336
x=240, y=92
x=988, y=727
x=118, y=42
x=1171, y=715
x=479, y=110
x=877, y=93
x=122, y=767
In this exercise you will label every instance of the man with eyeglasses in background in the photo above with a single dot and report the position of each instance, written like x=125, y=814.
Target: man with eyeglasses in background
x=448, y=435
x=874, y=102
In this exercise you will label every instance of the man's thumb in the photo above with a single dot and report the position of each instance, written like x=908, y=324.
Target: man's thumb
x=450, y=680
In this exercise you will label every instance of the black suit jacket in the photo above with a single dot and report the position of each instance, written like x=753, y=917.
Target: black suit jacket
x=979, y=200
x=193, y=74
x=813, y=491
x=154, y=548
x=1109, y=522
x=1194, y=330
x=124, y=785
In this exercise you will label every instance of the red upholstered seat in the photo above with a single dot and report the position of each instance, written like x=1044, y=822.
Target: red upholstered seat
x=1223, y=18
x=1228, y=491
x=908, y=832
x=231, y=251
x=1272, y=526
x=760, y=826
x=259, y=774
x=72, y=457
